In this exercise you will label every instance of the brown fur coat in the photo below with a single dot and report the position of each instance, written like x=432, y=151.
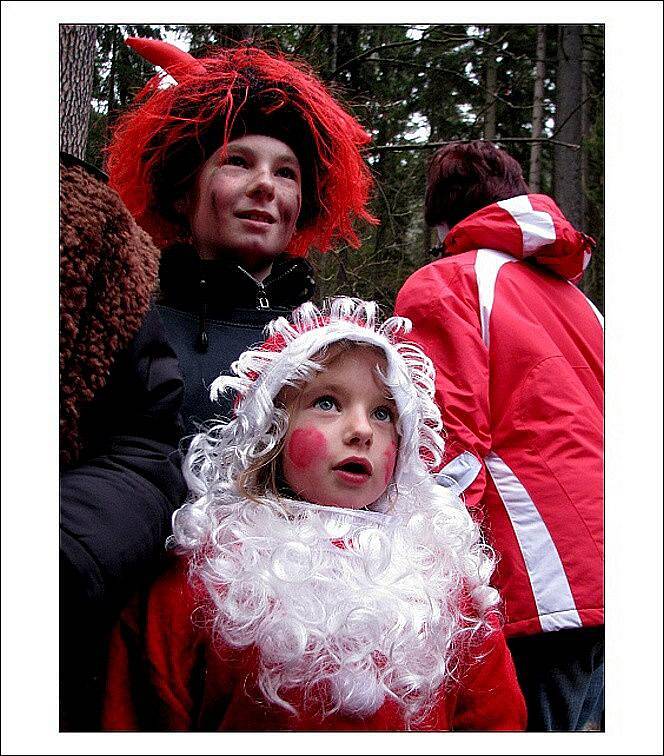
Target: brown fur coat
x=108, y=271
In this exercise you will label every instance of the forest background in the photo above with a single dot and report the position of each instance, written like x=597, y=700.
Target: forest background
x=633, y=339
x=536, y=90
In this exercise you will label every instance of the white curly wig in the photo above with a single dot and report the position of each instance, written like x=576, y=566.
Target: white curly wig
x=364, y=606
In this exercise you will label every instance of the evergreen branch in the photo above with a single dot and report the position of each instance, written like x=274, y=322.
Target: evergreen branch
x=383, y=46
x=451, y=72
x=424, y=39
x=371, y=51
x=307, y=38
x=427, y=39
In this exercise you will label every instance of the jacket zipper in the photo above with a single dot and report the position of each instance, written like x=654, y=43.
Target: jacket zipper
x=287, y=272
x=202, y=341
x=262, y=301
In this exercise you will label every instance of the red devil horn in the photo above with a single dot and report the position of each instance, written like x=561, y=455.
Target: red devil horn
x=166, y=56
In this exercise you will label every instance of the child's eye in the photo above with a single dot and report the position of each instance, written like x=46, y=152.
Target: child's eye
x=384, y=414
x=325, y=403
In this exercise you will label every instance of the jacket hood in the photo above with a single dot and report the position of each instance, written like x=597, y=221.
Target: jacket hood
x=530, y=226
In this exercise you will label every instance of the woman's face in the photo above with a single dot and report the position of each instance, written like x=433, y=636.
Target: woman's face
x=246, y=203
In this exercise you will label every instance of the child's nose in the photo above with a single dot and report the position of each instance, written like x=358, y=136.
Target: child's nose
x=359, y=429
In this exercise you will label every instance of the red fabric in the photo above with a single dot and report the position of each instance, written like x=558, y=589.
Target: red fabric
x=533, y=396
x=164, y=674
x=493, y=227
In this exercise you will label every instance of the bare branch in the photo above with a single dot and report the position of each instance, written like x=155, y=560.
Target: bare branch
x=559, y=128
x=497, y=140
x=370, y=51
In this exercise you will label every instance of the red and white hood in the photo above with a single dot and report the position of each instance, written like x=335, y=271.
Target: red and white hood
x=218, y=456
x=530, y=226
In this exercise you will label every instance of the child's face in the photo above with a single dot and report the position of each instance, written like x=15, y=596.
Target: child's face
x=247, y=202
x=341, y=444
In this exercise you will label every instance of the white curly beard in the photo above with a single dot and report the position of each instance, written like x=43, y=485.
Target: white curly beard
x=361, y=605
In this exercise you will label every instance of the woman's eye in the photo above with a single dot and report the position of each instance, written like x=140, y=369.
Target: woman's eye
x=236, y=160
x=384, y=414
x=289, y=173
x=325, y=403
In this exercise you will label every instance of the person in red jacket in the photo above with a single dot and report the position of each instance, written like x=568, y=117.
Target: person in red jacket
x=518, y=351
x=324, y=580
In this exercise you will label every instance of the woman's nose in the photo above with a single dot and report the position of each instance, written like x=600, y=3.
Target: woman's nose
x=261, y=183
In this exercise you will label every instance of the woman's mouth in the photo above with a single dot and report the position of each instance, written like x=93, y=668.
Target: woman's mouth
x=256, y=216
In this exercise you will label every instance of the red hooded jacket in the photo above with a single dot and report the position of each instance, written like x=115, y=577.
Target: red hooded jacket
x=518, y=351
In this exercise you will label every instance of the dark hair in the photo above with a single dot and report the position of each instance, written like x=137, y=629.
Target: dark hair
x=463, y=178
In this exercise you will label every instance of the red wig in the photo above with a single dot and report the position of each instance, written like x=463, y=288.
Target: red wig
x=463, y=178
x=160, y=144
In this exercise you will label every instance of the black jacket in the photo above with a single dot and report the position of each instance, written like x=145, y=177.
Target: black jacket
x=117, y=500
x=116, y=505
x=214, y=310
x=120, y=396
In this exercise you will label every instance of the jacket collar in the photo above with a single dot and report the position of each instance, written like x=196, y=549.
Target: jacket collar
x=189, y=283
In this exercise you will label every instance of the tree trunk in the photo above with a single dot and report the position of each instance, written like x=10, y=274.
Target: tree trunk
x=567, y=161
x=592, y=280
x=77, y=54
x=111, y=109
x=585, y=127
x=427, y=241
x=535, y=177
x=123, y=78
x=333, y=48
x=491, y=90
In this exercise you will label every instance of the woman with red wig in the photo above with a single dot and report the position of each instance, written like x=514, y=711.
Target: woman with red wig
x=518, y=352
x=237, y=170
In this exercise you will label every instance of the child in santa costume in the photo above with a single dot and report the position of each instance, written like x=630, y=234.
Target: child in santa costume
x=324, y=580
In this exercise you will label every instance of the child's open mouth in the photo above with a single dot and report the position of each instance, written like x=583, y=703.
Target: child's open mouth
x=354, y=470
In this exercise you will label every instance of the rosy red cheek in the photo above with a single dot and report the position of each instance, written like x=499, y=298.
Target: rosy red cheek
x=305, y=446
x=390, y=461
